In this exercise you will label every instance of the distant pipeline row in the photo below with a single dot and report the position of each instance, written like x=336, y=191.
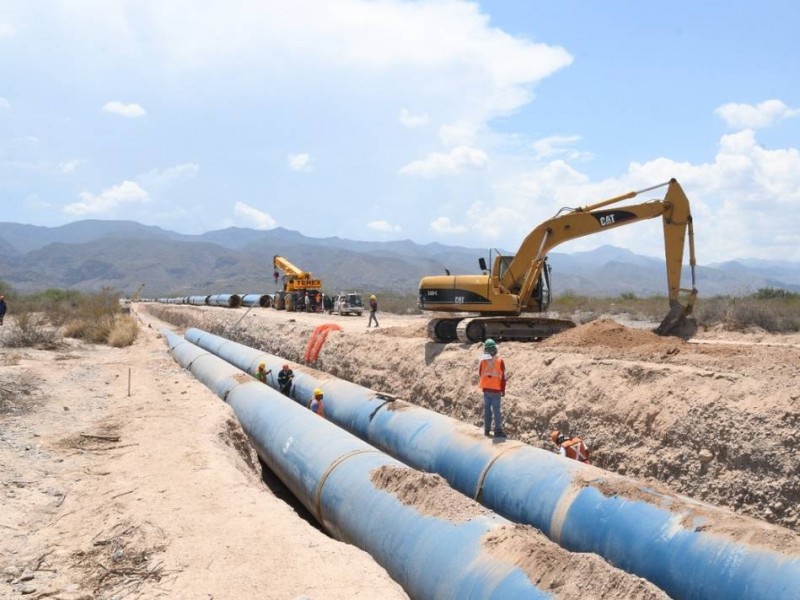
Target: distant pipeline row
x=291, y=301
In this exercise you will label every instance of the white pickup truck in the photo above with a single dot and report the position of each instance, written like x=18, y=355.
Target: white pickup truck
x=348, y=304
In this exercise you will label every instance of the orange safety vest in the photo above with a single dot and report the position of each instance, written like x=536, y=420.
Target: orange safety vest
x=320, y=409
x=493, y=374
x=576, y=450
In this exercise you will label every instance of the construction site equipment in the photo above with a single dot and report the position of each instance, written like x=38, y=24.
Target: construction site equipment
x=296, y=283
x=520, y=283
x=687, y=548
x=331, y=473
x=137, y=295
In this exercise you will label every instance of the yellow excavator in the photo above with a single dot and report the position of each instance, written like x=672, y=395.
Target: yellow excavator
x=520, y=283
x=296, y=283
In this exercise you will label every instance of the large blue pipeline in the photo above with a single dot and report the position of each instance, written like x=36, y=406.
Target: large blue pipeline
x=330, y=472
x=687, y=548
x=261, y=300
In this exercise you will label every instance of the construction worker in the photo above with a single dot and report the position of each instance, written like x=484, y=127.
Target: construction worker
x=262, y=372
x=373, y=309
x=492, y=374
x=574, y=448
x=285, y=377
x=307, y=301
x=316, y=403
x=3, y=308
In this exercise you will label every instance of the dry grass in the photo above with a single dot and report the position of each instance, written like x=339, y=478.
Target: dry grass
x=31, y=330
x=124, y=331
x=41, y=319
x=776, y=315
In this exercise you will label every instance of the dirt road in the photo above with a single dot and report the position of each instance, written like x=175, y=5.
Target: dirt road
x=155, y=493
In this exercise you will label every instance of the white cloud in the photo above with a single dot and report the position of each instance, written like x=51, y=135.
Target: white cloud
x=4, y=104
x=130, y=111
x=155, y=178
x=127, y=192
x=252, y=217
x=758, y=116
x=451, y=163
x=558, y=145
x=410, y=120
x=442, y=225
x=69, y=166
x=459, y=134
x=383, y=226
x=741, y=202
x=479, y=70
x=299, y=162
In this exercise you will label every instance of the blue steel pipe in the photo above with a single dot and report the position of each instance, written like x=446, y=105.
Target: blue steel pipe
x=689, y=549
x=330, y=472
x=229, y=300
x=262, y=300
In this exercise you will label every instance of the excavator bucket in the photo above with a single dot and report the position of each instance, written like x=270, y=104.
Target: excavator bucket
x=677, y=324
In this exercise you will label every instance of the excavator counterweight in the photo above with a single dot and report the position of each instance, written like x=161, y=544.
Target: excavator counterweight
x=520, y=283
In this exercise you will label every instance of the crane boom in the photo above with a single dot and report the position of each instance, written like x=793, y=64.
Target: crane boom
x=520, y=283
x=296, y=279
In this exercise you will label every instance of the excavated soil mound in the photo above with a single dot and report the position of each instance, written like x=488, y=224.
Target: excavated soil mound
x=714, y=418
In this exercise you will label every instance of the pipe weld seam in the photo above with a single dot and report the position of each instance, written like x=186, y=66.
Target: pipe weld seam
x=328, y=471
x=380, y=406
x=485, y=472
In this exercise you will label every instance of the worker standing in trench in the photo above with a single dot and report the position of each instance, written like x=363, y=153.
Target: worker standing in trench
x=492, y=374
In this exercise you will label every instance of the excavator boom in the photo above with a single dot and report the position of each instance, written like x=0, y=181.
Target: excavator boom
x=520, y=284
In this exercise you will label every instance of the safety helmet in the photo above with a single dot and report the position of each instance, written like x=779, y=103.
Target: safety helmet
x=554, y=436
x=489, y=344
x=286, y=367
x=262, y=366
x=373, y=297
x=317, y=393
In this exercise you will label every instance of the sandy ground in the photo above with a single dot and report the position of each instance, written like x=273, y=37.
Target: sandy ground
x=156, y=493
x=152, y=494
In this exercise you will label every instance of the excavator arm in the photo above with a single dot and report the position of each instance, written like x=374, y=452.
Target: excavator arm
x=523, y=273
x=514, y=284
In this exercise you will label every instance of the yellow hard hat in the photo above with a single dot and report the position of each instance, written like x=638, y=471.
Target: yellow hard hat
x=373, y=297
x=317, y=393
x=262, y=365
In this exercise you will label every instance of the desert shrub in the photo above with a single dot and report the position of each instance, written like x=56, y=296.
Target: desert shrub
x=652, y=308
x=31, y=329
x=776, y=313
x=124, y=331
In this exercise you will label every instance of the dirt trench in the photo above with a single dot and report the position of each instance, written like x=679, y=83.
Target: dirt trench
x=715, y=419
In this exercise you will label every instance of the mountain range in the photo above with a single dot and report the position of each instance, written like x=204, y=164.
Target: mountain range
x=91, y=254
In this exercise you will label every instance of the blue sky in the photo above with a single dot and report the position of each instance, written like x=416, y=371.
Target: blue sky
x=465, y=123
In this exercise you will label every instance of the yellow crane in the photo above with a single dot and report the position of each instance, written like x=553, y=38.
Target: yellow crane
x=296, y=283
x=520, y=283
x=137, y=295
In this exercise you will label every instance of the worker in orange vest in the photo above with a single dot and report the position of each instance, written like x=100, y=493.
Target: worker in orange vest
x=574, y=448
x=492, y=374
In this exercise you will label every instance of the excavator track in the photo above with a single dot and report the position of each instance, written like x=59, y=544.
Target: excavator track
x=512, y=329
x=443, y=330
